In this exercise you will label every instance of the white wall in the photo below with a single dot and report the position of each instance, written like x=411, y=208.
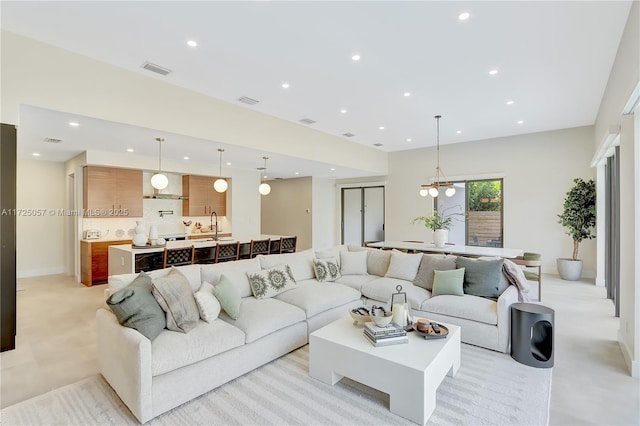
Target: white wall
x=287, y=210
x=324, y=224
x=624, y=78
x=538, y=170
x=40, y=238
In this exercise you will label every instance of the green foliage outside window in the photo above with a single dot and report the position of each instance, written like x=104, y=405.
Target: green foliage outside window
x=485, y=195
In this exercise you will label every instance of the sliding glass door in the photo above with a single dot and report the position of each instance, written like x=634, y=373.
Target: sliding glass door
x=362, y=215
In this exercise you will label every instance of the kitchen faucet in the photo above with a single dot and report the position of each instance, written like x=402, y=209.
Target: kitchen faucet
x=211, y=218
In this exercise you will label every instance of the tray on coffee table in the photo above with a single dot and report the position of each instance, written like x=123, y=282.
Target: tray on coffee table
x=428, y=333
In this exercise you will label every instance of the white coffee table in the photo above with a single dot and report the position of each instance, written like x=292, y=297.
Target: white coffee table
x=409, y=373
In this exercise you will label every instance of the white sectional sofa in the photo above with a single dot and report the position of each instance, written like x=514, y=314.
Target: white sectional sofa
x=152, y=377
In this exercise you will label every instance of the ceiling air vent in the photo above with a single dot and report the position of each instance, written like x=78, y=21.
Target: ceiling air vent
x=52, y=140
x=377, y=144
x=307, y=121
x=156, y=68
x=247, y=100
x=348, y=135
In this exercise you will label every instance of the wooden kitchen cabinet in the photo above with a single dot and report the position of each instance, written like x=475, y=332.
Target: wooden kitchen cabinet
x=112, y=192
x=202, y=198
x=94, y=261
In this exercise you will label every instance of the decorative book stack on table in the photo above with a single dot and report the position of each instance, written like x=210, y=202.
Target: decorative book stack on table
x=391, y=334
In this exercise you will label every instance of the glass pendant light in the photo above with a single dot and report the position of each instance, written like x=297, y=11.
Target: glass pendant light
x=264, y=187
x=159, y=180
x=220, y=184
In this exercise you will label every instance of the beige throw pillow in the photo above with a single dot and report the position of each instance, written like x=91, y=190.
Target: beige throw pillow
x=403, y=266
x=175, y=297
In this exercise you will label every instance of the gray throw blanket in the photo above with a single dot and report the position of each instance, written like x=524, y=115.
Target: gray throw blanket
x=515, y=276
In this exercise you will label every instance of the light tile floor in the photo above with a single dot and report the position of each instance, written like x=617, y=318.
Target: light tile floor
x=56, y=346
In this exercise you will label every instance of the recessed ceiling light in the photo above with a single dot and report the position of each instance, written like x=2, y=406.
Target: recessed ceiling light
x=333, y=169
x=285, y=85
x=406, y=94
x=343, y=111
x=185, y=158
x=355, y=57
x=493, y=72
x=36, y=154
x=297, y=173
x=73, y=124
x=381, y=127
x=228, y=163
x=520, y=122
x=509, y=102
x=192, y=43
x=458, y=131
x=464, y=16
x=129, y=149
x=409, y=139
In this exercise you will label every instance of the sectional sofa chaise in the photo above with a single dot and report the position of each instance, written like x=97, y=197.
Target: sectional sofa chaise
x=152, y=377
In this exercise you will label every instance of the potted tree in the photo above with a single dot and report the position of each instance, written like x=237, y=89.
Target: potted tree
x=439, y=223
x=579, y=217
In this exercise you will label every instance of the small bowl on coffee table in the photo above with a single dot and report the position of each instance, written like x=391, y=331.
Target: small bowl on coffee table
x=380, y=316
x=360, y=315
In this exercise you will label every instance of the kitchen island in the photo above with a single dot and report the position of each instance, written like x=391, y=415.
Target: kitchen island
x=127, y=258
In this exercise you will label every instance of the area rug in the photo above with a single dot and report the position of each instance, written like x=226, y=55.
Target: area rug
x=489, y=389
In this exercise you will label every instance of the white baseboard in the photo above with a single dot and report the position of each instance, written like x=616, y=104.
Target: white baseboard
x=632, y=365
x=39, y=272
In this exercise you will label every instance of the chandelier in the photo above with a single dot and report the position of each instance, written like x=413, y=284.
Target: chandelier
x=440, y=180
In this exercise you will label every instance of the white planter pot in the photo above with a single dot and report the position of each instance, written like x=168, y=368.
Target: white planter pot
x=569, y=269
x=440, y=237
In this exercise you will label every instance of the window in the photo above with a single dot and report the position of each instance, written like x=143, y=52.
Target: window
x=482, y=203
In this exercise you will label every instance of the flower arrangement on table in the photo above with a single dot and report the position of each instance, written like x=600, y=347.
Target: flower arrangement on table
x=439, y=220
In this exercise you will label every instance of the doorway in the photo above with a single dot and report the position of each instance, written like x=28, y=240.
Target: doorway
x=362, y=215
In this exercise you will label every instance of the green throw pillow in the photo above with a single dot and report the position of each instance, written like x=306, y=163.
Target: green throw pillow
x=135, y=307
x=448, y=282
x=429, y=264
x=482, y=277
x=228, y=295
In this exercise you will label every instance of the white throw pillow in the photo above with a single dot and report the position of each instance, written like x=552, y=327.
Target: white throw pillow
x=403, y=266
x=300, y=262
x=353, y=263
x=208, y=304
x=271, y=282
x=326, y=269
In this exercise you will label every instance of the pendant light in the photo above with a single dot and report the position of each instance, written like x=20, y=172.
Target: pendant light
x=159, y=180
x=434, y=188
x=220, y=184
x=264, y=187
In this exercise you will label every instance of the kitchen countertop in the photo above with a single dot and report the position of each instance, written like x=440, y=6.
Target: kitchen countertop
x=165, y=236
x=196, y=243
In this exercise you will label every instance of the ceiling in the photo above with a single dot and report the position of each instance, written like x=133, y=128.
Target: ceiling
x=552, y=59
